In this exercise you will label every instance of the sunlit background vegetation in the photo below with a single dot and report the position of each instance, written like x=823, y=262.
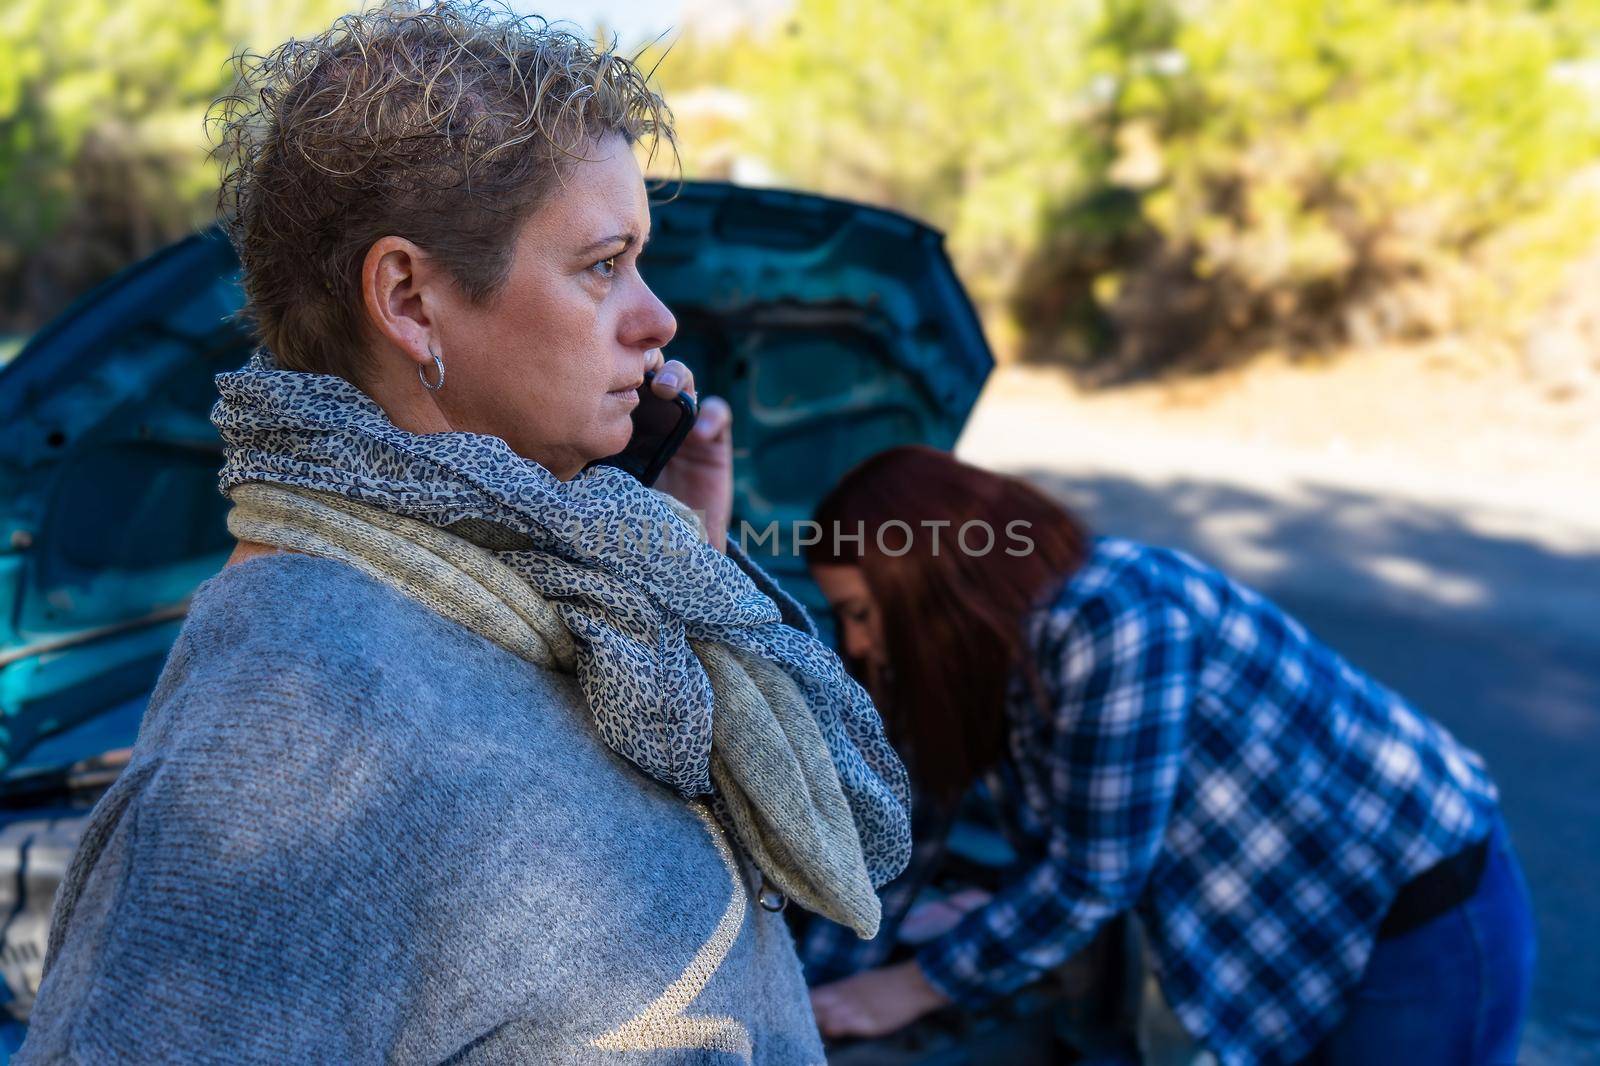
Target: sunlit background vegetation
x=1129, y=187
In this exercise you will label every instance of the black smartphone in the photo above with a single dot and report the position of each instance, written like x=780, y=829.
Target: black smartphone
x=659, y=426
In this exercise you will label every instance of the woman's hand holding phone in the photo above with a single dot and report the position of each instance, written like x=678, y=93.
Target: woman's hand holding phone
x=700, y=472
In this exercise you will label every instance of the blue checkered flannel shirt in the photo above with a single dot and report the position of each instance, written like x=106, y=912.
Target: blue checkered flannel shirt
x=1253, y=798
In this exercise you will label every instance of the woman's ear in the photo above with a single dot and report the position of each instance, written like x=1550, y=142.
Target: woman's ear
x=397, y=288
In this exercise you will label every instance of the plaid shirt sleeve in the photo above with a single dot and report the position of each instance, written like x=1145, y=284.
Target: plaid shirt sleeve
x=1119, y=677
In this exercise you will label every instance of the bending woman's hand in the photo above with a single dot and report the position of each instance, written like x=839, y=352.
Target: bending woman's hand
x=875, y=1002
x=700, y=474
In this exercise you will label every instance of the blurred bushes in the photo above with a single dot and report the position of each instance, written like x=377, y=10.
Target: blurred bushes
x=1127, y=185
x=1358, y=171
x=1130, y=185
x=102, y=151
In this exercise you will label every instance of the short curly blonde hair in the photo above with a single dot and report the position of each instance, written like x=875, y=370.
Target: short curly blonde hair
x=446, y=124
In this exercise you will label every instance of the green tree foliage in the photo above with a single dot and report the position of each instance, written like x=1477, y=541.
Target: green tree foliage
x=966, y=115
x=102, y=146
x=1338, y=167
x=1129, y=183
x=1126, y=184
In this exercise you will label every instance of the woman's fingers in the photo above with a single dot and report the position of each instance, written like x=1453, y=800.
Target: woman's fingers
x=929, y=920
x=836, y=1015
x=672, y=377
x=875, y=1002
x=969, y=899
x=715, y=422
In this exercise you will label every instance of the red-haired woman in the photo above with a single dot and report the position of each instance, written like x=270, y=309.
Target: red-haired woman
x=1321, y=870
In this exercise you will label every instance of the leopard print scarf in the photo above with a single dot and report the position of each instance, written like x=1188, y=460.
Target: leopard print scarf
x=627, y=574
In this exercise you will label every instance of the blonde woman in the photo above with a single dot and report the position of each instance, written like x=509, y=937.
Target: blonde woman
x=475, y=752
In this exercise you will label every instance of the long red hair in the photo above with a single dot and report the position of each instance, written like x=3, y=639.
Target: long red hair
x=952, y=613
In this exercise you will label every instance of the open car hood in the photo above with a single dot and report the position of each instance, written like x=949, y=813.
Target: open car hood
x=833, y=329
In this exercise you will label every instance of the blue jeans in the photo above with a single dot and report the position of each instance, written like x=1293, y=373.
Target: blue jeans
x=1453, y=992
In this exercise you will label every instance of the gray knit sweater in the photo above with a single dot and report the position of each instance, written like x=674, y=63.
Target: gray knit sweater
x=352, y=831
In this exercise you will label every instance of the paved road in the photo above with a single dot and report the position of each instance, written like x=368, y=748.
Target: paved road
x=1483, y=620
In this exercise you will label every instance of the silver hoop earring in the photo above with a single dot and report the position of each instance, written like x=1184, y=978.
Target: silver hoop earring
x=422, y=372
